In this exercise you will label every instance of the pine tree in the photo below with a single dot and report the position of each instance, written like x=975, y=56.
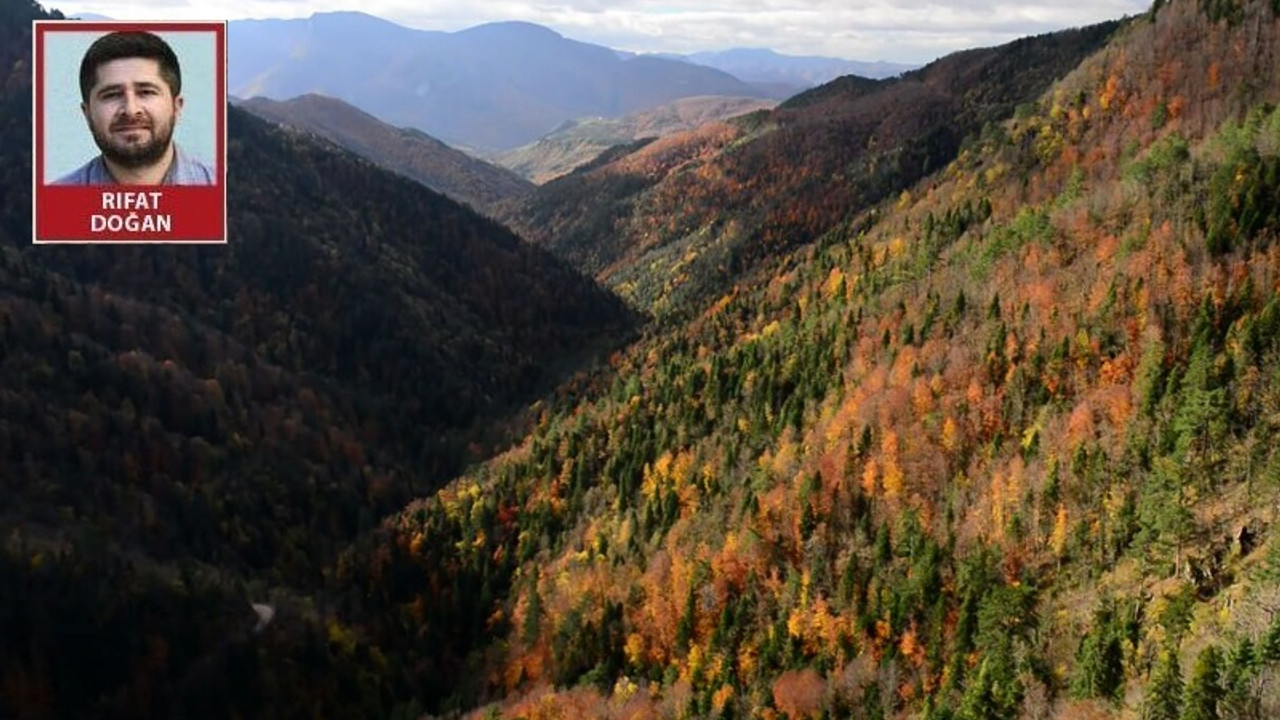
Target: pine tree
x=1100, y=660
x=1238, y=697
x=1164, y=693
x=996, y=693
x=1204, y=690
x=1268, y=650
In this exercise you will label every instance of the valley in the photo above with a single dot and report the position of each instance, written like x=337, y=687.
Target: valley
x=951, y=395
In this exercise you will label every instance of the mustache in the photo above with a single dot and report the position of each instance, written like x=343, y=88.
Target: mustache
x=130, y=124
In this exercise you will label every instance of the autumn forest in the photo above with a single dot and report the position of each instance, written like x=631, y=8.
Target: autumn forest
x=952, y=396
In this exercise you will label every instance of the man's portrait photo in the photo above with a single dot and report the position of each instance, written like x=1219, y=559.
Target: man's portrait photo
x=131, y=97
x=143, y=101
x=129, y=138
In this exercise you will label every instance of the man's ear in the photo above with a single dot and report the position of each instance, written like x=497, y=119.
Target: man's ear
x=84, y=110
x=177, y=106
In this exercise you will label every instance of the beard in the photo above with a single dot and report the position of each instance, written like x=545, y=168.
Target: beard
x=138, y=154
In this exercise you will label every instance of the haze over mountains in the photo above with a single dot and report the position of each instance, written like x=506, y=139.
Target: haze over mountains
x=495, y=86
x=766, y=67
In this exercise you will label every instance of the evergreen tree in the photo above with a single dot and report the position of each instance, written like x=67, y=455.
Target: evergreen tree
x=1163, y=699
x=996, y=692
x=1204, y=689
x=1268, y=650
x=1238, y=697
x=1200, y=421
x=1100, y=659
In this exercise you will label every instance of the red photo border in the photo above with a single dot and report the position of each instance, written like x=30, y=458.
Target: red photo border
x=63, y=214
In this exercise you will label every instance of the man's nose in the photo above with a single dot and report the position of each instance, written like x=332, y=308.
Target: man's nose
x=132, y=103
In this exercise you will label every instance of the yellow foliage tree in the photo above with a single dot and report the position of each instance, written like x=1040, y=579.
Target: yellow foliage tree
x=892, y=478
x=1058, y=538
x=950, y=435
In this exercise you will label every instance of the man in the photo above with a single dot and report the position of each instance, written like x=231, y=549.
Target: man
x=131, y=97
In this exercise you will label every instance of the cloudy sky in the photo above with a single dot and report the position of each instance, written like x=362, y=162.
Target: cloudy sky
x=903, y=30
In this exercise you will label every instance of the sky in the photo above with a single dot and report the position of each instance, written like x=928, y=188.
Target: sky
x=911, y=31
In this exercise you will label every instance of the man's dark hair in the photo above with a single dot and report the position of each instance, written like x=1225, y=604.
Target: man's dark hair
x=129, y=44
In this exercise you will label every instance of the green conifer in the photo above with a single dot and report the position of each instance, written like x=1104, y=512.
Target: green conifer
x=1204, y=690
x=1163, y=699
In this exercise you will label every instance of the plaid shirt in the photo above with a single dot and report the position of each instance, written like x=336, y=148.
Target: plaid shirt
x=185, y=170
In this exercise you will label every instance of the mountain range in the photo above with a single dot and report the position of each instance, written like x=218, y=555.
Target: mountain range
x=493, y=87
x=767, y=67
x=956, y=399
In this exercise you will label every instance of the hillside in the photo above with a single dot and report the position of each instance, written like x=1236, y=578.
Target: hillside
x=579, y=142
x=184, y=431
x=1003, y=446
x=487, y=88
x=675, y=223
x=411, y=153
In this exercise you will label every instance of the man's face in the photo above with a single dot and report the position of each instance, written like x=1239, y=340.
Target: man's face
x=131, y=112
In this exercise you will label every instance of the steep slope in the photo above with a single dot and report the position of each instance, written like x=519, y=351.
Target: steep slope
x=1002, y=447
x=579, y=142
x=491, y=87
x=185, y=430
x=673, y=224
x=411, y=153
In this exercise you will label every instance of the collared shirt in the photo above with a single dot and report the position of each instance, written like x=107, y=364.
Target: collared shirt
x=184, y=170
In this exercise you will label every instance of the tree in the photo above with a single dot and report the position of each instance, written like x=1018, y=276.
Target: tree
x=1240, y=698
x=1200, y=422
x=1163, y=699
x=1204, y=690
x=996, y=693
x=1100, y=659
x=798, y=693
x=1163, y=507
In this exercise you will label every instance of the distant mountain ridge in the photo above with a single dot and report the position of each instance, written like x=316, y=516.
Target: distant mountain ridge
x=575, y=143
x=761, y=65
x=409, y=152
x=494, y=86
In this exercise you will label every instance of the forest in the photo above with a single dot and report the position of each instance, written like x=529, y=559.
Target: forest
x=673, y=225
x=997, y=441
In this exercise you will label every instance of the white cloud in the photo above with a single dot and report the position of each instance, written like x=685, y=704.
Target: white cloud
x=903, y=30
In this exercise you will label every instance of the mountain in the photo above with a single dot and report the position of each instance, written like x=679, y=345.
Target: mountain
x=760, y=65
x=1001, y=446
x=491, y=87
x=578, y=142
x=190, y=431
x=677, y=221
x=409, y=152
